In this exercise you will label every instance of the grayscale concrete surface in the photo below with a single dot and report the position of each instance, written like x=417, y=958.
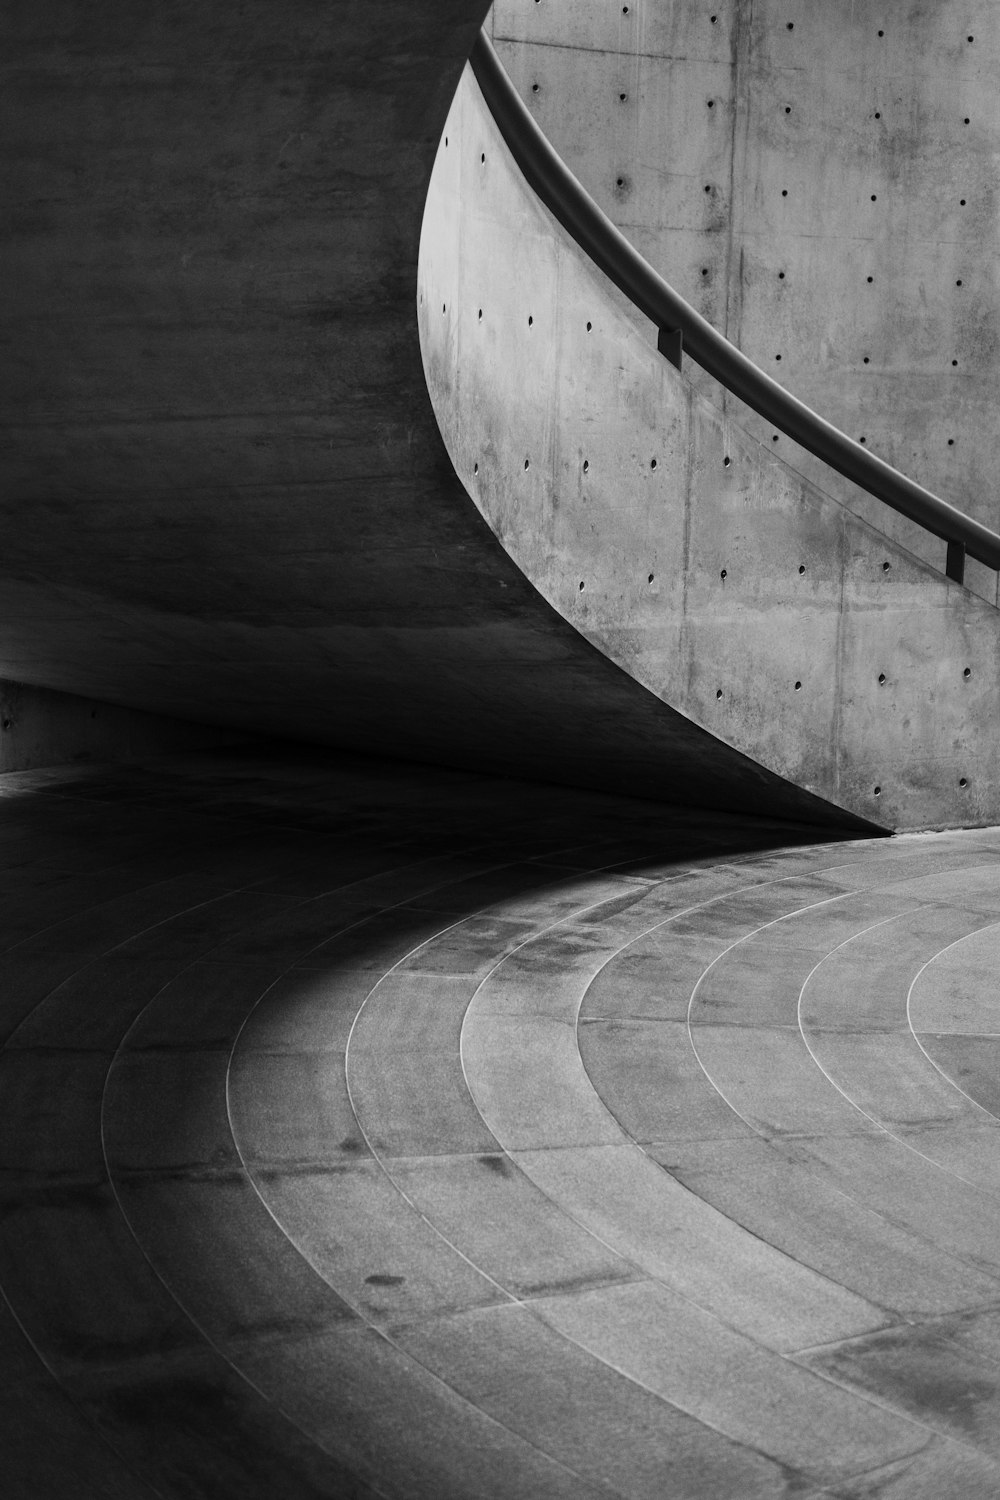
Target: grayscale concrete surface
x=689, y=553
x=223, y=491
x=370, y=1131
x=226, y=499
x=818, y=181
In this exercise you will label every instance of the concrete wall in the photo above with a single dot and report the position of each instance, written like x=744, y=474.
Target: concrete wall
x=223, y=493
x=682, y=547
x=42, y=728
x=820, y=181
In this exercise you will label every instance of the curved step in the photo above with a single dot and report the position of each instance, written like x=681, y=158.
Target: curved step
x=542, y=1162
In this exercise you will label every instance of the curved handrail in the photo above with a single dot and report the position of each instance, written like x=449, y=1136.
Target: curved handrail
x=608, y=248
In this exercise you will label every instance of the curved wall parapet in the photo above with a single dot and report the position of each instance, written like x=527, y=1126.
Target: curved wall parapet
x=672, y=539
x=224, y=494
x=819, y=182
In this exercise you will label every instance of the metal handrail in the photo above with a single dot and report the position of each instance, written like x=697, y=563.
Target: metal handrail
x=682, y=327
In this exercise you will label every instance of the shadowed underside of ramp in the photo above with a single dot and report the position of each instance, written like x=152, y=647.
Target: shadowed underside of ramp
x=225, y=496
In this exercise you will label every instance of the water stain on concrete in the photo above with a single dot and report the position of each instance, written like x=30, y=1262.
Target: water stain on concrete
x=498, y=1164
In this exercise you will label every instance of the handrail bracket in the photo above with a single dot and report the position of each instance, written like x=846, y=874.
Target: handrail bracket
x=670, y=343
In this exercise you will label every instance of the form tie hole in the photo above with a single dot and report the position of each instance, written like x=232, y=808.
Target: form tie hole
x=530, y=320
x=774, y=437
x=881, y=678
x=581, y=586
x=718, y=693
x=886, y=566
x=723, y=574
x=866, y=360
x=586, y=465
x=527, y=463
x=650, y=578
x=963, y=781
x=802, y=568
x=797, y=686
x=589, y=327
x=781, y=275
x=726, y=461
x=534, y=88
x=967, y=673
x=878, y=791
x=652, y=463
x=475, y=468
x=480, y=315
x=870, y=280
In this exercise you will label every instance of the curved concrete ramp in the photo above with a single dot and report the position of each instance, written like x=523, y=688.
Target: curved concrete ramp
x=384, y=1133
x=717, y=576
x=224, y=493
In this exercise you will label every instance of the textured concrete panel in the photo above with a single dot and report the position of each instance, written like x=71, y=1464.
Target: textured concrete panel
x=687, y=551
x=819, y=183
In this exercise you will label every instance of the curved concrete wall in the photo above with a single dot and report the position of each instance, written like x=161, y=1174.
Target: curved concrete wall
x=680, y=546
x=819, y=180
x=223, y=493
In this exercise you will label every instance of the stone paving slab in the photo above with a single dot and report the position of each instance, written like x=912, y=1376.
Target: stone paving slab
x=671, y=1234
x=729, y=1382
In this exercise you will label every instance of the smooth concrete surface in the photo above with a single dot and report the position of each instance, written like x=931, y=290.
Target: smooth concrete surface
x=689, y=553
x=818, y=181
x=378, y=1131
x=223, y=491
x=39, y=727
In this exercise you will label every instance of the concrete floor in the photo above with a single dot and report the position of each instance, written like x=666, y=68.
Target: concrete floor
x=373, y=1131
